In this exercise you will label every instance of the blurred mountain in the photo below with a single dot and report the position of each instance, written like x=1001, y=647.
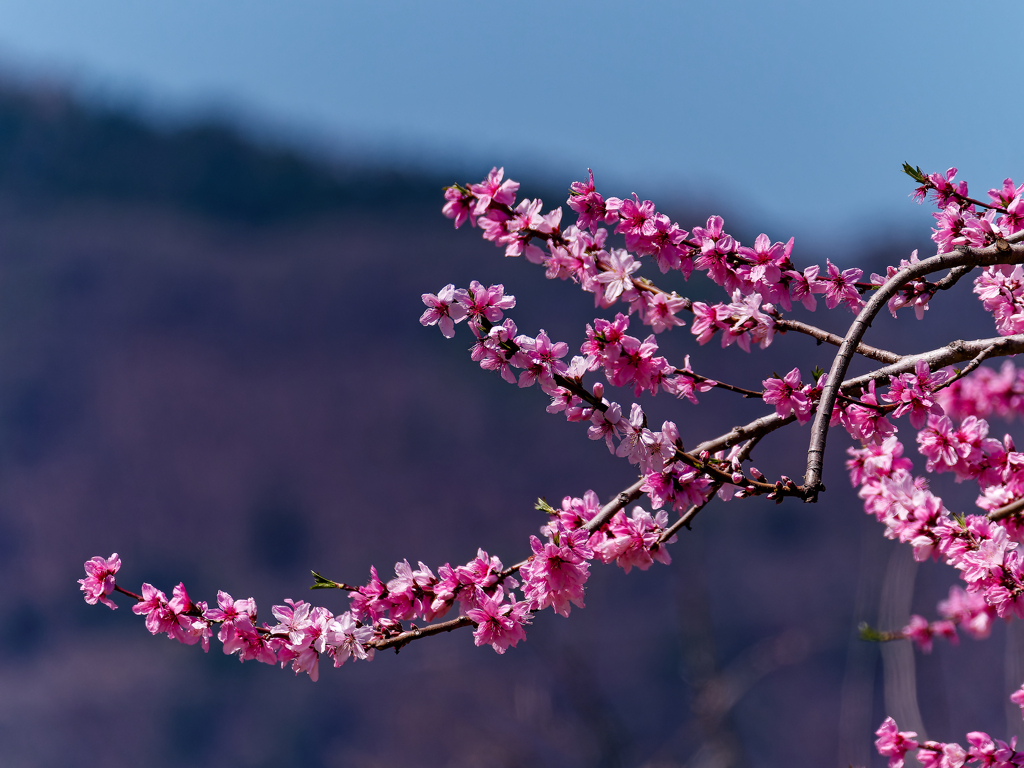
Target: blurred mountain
x=211, y=363
x=53, y=147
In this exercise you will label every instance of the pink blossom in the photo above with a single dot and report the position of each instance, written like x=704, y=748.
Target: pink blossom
x=1017, y=697
x=686, y=385
x=556, y=572
x=499, y=624
x=715, y=247
x=668, y=246
x=637, y=221
x=604, y=340
x=934, y=754
x=348, y=639
x=939, y=443
x=1001, y=290
x=589, y=204
x=839, y=287
x=159, y=617
x=635, y=363
x=660, y=310
x=893, y=743
x=410, y=593
x=458, y=206
x=801, y=286
x=943, y=188
x=231, y=613
x=968, y=610
x=788, y=397
x=606, y=424
x=867, y=422
x=294, y=620
x=526, y=219
x=369, y=601
x=951, y=223
x=765, y=260
x=190, y=625
x=636, y=444
x=707, y=320
x=254, y=646
x=486, y=303
x=99, y=580
x=443, y=310
x=749, y=322
x=577, y=512
x=541, y=361
x=494, y=190
x=616, y=277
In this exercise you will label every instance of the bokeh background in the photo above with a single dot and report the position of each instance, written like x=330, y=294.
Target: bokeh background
x=216, y=221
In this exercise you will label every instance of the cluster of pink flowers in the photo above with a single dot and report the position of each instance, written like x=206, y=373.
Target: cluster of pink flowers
x=479, y=585
x=1001, y=290
x=553, y=576
x=952, y=437
x=759, y=280
x=968, y=610
x=633, y=541
x=985, y=392
x=304, y=632
x=914, y=394
x=625, y=360
x=963, y=221
x=959, y=221
x=982, y=752
x=982, y=550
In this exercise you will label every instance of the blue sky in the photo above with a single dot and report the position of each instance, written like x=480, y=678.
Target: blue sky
x=798, y=113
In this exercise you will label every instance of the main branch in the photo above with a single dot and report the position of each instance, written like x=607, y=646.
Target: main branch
x=1003, y=252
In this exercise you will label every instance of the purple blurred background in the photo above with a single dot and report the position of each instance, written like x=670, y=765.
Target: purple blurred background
x=198, y=315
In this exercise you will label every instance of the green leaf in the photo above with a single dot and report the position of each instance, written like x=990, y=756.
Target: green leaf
x=869, y=633
x=319, y=582
x=543, y=506
x=914, y=172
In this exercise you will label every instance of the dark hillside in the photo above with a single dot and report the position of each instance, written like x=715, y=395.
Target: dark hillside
x=54, y=148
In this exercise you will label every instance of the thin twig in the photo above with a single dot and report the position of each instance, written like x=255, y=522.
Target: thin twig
x=119, y=588
x=399, y=641
x=974, y=363
x=687, y=517
x=881, y=355
x=752, y=393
